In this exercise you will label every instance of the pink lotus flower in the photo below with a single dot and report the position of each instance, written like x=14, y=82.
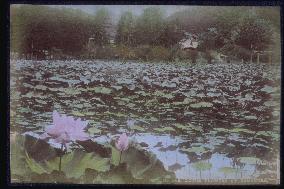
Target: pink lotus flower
x=66, y=129
x=122, y=143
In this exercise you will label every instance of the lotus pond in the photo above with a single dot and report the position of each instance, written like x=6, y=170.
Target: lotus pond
x=188, y=124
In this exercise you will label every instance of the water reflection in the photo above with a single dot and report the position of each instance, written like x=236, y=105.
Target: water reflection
x=221, y=166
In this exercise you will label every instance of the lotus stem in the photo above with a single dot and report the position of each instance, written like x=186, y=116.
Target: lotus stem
x=60, y=156
x=120, y=157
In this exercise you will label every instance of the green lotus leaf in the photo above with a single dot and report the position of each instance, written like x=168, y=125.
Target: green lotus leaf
x=180, y=126
x=195, y=149
x=162, y=94
x=94, y=130
x=237, y=130
x=201, y=105
x=185, y=101
x=118, y=114
x=138, y=128
x=202, y=166
x=228, y=170
x=75, y=163
x=220, y=129
x=142, y=93
x=250, y=117
x=102, y=90
x=76, y=113
x=71, y=91
x=130, y=105
x=249, y=160
x=117, y=87
x=164, y=129
x=152, y=119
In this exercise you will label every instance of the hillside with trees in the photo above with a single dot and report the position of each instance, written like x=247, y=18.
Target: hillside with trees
x=234, y=32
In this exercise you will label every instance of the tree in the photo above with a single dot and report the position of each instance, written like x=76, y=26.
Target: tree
x=149, y=27
x=196, y=19
x=240, y=31
x=207, y=42
x=271, y=14
x=234, y=31
x=125, y=29
x=172, y=33
x=226, y=23
x=253, y=33
x=102, y=23
x=37, y=28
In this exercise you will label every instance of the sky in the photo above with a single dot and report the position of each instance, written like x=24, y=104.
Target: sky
x=116, y=10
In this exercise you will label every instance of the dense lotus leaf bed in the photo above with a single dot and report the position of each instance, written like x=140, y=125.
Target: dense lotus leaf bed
x=200, y=121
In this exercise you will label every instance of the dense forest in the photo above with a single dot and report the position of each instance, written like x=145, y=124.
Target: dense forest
x=236, y=32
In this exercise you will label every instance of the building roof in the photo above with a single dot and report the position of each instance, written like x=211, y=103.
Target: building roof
x=188, y=44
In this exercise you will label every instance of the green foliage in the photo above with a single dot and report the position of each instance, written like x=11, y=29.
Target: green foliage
x=149, y=27
x=196, y=19
x=143, y=52
x=81, y=166
x=105, y=52
x=102, y=21
x=125, y=52
x=33, y=165
x=73, y=164
x=141, y=164
x=36, y=28
x=233, y=31
x=159, y=53
x=240, y=31
x=253, y=33
x=125, y=29
x=18, y=161
x=172, y=33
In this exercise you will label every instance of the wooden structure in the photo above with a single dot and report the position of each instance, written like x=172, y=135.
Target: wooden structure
x=261, y=53
x=91, y=43
x=224, y=58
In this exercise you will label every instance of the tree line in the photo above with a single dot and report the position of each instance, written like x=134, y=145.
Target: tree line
x=234, y=31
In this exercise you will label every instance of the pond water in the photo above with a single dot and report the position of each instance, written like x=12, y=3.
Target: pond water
x=216, y=121
x=218, y=166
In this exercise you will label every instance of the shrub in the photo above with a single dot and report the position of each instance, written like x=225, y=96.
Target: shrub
x=159, y=53
x=143, y=52
x=106, y=52
x=124, y=52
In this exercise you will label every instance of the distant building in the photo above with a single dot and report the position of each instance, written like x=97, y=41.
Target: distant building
x=222, y=58
x=111, y=41
x=189, y=42
x=92, y=44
